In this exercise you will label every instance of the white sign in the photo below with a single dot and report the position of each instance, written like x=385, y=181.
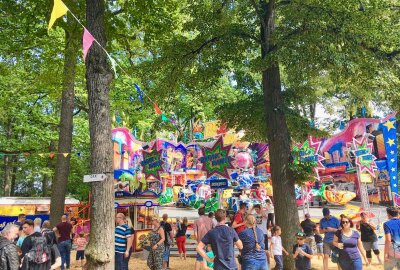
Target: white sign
x=94, y=177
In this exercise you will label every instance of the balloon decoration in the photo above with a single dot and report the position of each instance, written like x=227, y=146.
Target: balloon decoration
x=166, y=197
x=244, y=160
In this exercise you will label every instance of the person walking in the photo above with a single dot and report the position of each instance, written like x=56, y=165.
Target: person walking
x=181, y=237
x=222, y=240
x=169, y=240
x=64, y=229
x=308, y=228
x=348, y=241
x=123, y=242
x=8, y=250
x=302, y=252
x=277, y=249
x=253, y=253
x=392, y=239
x=201, y=226
x=261, y=217
x=328, y=225
x=128, y=222
x=37, y=254
x=369, y=238
x=156, y=238
x=270, y=210
x=80, y=243
x=238, y=222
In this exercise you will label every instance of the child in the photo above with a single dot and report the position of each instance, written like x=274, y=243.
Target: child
x=302, y=253
x=210, y=254
x=80, y=243
x=318, y=241
x=277, y=248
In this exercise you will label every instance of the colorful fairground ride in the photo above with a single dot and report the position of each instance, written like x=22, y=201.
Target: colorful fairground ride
x=358, y=163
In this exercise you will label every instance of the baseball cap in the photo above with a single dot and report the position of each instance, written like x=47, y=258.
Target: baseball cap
x=301, y=234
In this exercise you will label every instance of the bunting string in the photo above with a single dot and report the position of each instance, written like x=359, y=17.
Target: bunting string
x=59, y=10
x=42, y=154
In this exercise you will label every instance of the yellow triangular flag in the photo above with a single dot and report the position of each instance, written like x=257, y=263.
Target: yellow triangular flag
x=65, y=154
x=41, y=155
x=59, y=10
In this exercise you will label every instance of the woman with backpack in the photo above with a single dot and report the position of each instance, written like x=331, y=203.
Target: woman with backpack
x=156, y=238
x=253, y=255
x=369, y=238
x=348, y=242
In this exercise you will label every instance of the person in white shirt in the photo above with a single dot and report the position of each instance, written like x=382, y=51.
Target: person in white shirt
x=270, y=211
x=276, y=248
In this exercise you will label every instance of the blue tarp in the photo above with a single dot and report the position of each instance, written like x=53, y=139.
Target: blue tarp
x=4, y=220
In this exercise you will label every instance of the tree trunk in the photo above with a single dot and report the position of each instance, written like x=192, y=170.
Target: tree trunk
x=278, y=139
x=8, y=163
x=59, y=186
x=14, y=175
x=100, y=250
x=7, y=175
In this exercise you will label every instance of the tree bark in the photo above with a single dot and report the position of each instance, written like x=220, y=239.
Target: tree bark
x=14, y=176
x=8, y=163
x=278, y=139
x=7, y=175
x=100, y=250
x=59, y=186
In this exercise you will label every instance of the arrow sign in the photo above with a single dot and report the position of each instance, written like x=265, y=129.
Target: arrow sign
x=94, y=178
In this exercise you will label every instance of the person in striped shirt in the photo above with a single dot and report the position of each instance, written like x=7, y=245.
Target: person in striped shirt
x=123, y=242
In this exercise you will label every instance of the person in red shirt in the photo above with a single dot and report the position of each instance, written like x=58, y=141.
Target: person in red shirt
x=239, y=223
x=64, y=230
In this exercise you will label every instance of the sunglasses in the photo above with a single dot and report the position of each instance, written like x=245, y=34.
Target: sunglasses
x=300, y=238
x=345, y=222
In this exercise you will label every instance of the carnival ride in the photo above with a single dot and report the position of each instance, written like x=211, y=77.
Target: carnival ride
x=182, y=175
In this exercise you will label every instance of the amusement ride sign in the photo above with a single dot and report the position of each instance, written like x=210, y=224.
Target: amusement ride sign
x=216, y=160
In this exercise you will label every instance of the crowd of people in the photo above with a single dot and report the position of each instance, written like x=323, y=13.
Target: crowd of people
x=342, y=243
x=35, y=245
x=249, y=238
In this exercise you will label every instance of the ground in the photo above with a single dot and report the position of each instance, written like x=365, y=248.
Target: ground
x=138, y=263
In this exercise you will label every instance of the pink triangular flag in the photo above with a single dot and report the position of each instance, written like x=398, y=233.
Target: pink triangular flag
x=87, y=41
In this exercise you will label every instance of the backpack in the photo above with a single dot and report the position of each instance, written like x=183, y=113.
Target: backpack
x=40, y=252
x=168, y=239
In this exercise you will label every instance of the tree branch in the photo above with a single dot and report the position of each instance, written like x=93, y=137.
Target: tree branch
x=205, y=43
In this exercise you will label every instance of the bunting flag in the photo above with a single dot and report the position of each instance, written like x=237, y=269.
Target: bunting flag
x=164, y=118
x=41, y=155
x=59, y=10
x=157, y=109
x=113, y=64
x=389, y=134
x=139, y=93
x=65, y=154
x=87, y=42
x=51, y=154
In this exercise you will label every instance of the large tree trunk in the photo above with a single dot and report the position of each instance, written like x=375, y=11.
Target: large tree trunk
x=7, y=175
x=278, y=139
x=59, y=186
x=100, y=250
x=8, y=163
x=14, y=175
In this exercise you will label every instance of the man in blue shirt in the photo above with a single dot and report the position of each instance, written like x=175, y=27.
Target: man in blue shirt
x=221, y=238
x=328, y=225
x=392, y=239
x=123, y=242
